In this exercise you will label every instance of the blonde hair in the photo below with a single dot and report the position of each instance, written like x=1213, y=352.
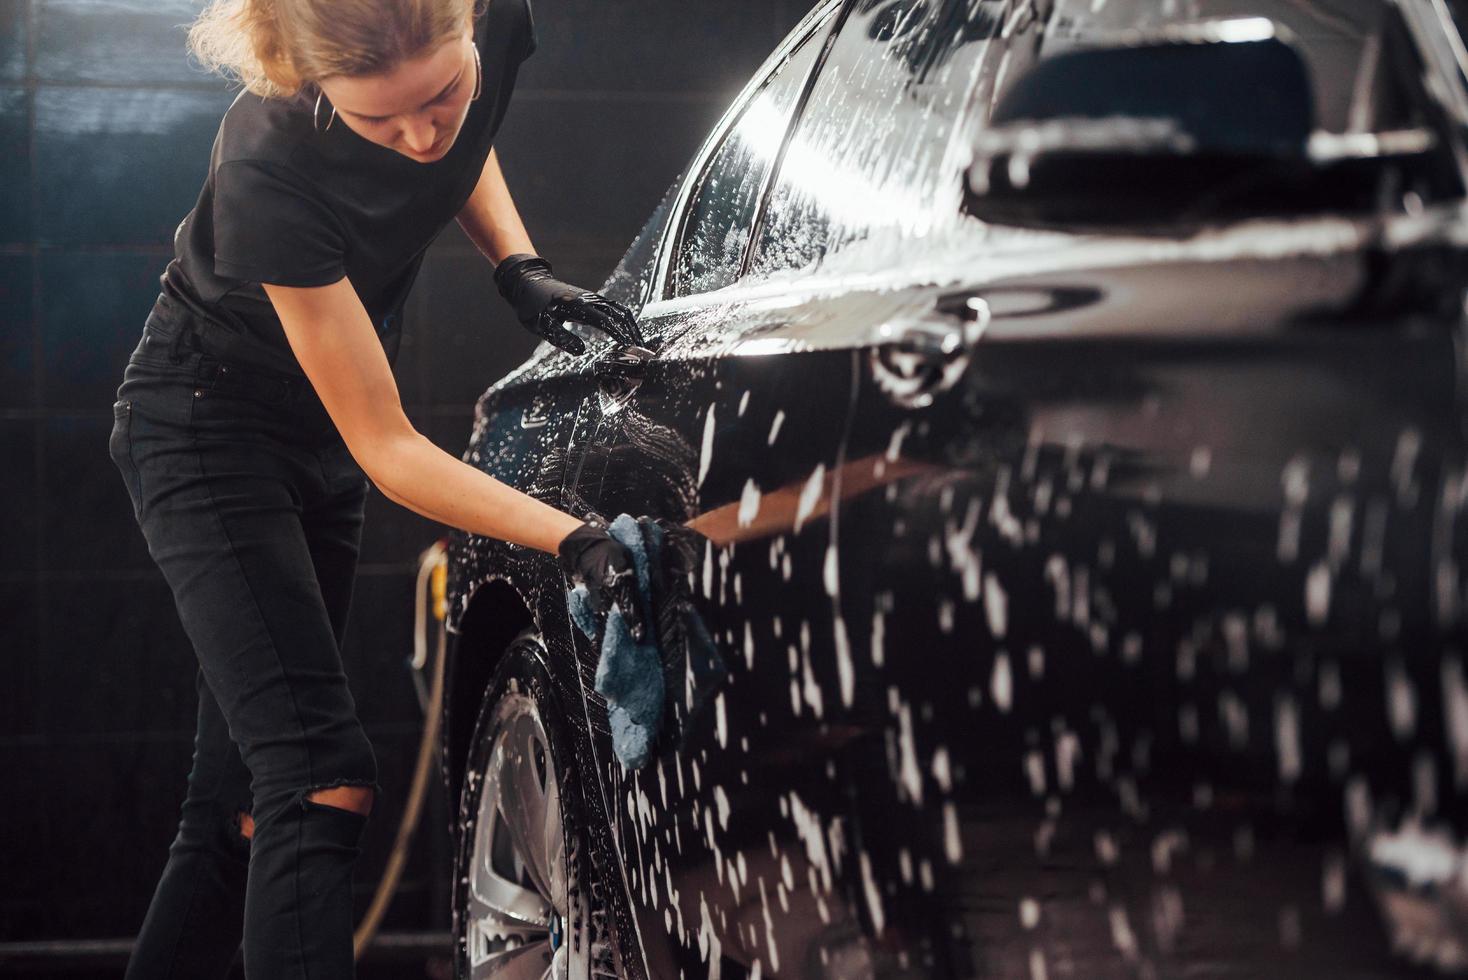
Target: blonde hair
x=276, y=48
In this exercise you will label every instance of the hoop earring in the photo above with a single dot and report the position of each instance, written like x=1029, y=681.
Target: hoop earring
x=478, y=75
x=316, y=115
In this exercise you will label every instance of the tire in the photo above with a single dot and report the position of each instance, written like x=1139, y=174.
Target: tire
x=525, y=901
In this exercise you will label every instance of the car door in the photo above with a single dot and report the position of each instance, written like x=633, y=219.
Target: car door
x=739, y=847
x=1135, y=531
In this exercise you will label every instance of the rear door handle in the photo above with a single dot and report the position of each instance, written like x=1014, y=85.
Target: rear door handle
x=914, y=358
x=955, y=322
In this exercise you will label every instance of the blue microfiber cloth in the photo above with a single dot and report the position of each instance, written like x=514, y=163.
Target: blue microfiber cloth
x=638, y=679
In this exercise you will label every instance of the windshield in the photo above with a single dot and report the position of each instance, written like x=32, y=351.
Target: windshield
x=1342, y=42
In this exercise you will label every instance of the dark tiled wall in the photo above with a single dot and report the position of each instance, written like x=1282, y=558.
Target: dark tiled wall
x=105, y=129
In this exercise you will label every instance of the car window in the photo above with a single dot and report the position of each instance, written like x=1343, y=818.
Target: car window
x=722, y=206
x=876, y=147
x=630, y=282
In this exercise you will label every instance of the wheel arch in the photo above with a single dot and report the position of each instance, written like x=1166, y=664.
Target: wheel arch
x=494, y=616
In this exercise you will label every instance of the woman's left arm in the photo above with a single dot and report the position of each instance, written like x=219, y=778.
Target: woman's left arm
x=541, y=301
x=489, y=217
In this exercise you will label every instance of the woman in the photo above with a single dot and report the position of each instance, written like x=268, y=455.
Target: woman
x=259, y=397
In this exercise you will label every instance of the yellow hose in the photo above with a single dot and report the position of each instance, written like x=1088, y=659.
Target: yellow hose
x=434, y=561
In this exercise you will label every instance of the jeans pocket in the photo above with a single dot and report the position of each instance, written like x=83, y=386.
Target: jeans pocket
x=119, y=447
x=232, y=385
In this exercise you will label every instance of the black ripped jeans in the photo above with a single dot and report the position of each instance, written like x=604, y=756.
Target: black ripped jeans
x=252, y=507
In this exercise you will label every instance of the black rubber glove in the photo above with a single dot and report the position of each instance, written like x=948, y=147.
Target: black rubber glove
x=542, y=301
x=594, y=558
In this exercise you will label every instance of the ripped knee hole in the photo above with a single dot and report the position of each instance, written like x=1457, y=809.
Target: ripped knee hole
x=358, y=799
x=244, y=824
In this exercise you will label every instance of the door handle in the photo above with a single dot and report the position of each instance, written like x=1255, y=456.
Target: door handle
x=622, y=364
x=955, y=322
x=914, y=358
x=618, y=374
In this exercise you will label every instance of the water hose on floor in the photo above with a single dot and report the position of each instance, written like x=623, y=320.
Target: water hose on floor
x=432, y=580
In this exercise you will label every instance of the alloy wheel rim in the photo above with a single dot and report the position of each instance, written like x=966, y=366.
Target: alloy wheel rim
x=517, y=908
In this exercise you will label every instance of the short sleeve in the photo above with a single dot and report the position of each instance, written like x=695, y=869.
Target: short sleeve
x=531, y=41
x=269, y=228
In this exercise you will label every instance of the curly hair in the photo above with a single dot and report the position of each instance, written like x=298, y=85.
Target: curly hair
x=278, y=48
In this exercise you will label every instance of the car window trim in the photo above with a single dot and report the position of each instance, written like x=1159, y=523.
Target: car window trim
x=797, y=112
x=823, y=13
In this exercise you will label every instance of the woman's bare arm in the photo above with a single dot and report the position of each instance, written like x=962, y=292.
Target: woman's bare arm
x=332, y=337
x=489, y=217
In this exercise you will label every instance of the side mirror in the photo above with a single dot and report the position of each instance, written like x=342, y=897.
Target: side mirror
x=1141, y=132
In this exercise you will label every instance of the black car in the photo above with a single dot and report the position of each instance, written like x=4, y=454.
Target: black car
x=1071, y=393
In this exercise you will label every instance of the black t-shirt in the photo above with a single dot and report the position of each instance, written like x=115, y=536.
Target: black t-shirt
x=287, y=205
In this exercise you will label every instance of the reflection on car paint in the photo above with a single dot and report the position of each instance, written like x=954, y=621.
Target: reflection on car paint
x=1137, y=648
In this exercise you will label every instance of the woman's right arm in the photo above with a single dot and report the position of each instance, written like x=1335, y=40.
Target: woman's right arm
x=332, y=337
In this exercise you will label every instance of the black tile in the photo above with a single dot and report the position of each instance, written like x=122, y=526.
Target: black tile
x=406, y=368
x=81, y=854
x=87, y=512
x=121, y=165
x=20, y=623
x=81, y=857
x=788, y=13
x=466, y=336
x=378, y=647
x=603, y=184
x=649, y=45
x=588, y=264
x=15, y=165
x=414, y=899
x=452, y=239
x=13, y=38
x=449, y=428
x=116, y=659
x=115, y=41
x=17, y=333
x=93, y=306
x=393, y=534
x=18, y=495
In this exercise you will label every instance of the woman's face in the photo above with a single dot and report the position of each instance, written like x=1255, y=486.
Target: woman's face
x=415, y=109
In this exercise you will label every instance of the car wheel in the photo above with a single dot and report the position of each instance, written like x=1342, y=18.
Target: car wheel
x=525, y=902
